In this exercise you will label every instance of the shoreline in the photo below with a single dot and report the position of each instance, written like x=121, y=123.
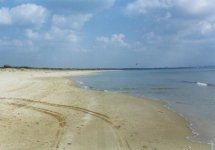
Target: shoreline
x=190, y=138
x=195, y=137
x=122, y=121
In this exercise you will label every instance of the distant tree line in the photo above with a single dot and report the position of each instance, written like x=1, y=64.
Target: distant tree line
x=46, y=68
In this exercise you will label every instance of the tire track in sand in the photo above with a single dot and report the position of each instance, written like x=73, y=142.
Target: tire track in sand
x=123, y=143
x=61, y=120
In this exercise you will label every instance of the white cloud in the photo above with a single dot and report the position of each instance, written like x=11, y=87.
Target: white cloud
x=118, y=39
x=19, y=44
x=142, y=6
x=114, y=40
x=206, y=27
x=84, y=6
x=5, y=18
x=62, y=30
x=198, y=7
x=65, y=35
x=32, y=35
x=192, y=17
x=24, y=14
x=49, y=22
x=152, y=37
x=194, y=7
x=54, y=34
x=103, y=39
x=71, y=21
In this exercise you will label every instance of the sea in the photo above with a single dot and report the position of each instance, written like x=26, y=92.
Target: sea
x=188, y=92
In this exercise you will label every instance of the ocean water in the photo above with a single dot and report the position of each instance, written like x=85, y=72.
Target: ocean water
x=189, y=92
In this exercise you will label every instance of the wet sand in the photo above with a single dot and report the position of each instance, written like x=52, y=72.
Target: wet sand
x=42, y=110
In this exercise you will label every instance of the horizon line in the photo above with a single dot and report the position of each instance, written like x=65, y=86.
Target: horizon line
x=104, y=68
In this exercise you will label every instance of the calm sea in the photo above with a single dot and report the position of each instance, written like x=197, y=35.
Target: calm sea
x=189, y=92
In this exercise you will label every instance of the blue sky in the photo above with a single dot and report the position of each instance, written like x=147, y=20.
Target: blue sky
x=107, y=33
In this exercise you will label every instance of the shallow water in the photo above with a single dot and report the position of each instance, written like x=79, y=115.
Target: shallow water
x=190, y=92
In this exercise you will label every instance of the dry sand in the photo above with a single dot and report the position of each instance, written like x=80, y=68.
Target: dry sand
x=41, y=110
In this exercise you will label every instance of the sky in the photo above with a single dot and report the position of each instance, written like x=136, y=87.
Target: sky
x=107, y=33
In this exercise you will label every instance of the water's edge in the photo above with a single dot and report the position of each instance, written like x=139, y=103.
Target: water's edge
x=81, y=84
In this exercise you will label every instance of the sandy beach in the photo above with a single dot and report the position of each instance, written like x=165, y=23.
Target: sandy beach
x=43, y=110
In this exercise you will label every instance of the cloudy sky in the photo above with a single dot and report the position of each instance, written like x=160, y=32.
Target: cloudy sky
x=107, y=33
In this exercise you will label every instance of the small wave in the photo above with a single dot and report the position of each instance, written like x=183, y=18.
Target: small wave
x=81, y=82
x=205, y=84
x=201, y=84
x=86, y=87
x=195, y=133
